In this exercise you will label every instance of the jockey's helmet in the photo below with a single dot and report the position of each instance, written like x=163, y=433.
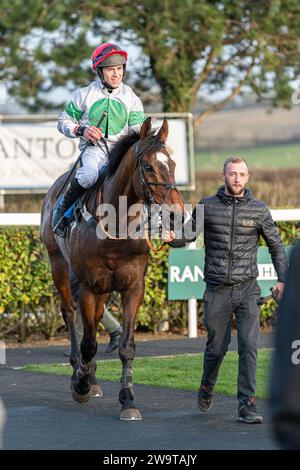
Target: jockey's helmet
x=108, y=55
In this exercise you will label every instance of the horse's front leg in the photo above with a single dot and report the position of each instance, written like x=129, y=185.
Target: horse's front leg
x=131, y=301
x=91, y=309
x=95, y=387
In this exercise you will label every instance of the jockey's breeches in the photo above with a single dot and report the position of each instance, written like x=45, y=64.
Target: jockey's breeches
x=92, y=160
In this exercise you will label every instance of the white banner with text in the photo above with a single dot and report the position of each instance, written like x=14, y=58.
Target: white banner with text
x=33, y=155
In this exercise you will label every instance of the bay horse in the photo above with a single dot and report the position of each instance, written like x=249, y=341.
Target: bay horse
x=141, y=169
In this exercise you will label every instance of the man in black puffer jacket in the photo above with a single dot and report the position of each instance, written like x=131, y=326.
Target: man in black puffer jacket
x=233, y=223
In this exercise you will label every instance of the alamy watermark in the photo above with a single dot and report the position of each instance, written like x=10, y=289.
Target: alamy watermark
x=295, y=358
x=2, y=353
x=296, y=96
x=155, y=220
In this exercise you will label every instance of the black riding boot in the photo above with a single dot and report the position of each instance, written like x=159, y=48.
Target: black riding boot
x=70, y=196
x=114, y=340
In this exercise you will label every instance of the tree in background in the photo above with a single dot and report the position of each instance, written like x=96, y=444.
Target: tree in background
x=193, y=49
x=43, y=45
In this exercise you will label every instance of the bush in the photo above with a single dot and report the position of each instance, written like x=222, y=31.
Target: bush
x=289, y=233
x=27, y=303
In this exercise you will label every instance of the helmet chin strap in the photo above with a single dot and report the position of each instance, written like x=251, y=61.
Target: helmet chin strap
x=99, y=72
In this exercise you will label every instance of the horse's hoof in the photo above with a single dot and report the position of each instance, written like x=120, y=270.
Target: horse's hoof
x=96, y=391
x=130, y=414
x=81, y=398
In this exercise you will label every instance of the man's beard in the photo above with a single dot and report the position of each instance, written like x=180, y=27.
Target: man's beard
x=235, y=190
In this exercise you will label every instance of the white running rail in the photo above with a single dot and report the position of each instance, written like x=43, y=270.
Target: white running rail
x=6, y=218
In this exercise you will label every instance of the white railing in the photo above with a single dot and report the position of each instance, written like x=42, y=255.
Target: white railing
x=13, y=218
x=285, y=215
x=6, y=218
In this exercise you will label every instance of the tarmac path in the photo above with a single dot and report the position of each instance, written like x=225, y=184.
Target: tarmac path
x=42, y=415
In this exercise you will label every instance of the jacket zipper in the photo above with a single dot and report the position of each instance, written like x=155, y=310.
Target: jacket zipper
x=231, y=240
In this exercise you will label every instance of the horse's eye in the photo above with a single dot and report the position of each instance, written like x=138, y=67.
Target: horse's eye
x=147, y=167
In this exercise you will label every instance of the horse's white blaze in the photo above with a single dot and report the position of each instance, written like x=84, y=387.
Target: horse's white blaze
x=162, y=158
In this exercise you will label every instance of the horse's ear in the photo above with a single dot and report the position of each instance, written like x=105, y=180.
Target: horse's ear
x=146, y=128
x=163, y=131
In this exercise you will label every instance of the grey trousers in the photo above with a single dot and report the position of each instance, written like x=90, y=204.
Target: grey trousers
x=220, y=302
x=108, y=321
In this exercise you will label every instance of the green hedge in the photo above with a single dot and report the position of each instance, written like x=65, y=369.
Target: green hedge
x=290, y=233
x=28, y=300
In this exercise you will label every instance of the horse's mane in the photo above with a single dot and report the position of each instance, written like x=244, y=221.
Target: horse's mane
x=118, y=151
x=121, y=147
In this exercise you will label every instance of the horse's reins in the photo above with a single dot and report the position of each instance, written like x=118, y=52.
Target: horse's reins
x=148, y=195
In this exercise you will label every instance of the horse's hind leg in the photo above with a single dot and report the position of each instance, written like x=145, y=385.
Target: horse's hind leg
x=95, y=387
x=61, y=278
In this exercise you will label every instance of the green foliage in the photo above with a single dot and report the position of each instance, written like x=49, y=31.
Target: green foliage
x=155, y=307
x=186, y=47
x=267, y=157
x=26, y=290
x=289, y=233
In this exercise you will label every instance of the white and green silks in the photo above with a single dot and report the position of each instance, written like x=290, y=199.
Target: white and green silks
x=125, y=113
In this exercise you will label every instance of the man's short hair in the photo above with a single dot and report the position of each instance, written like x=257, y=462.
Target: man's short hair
x=233, y=160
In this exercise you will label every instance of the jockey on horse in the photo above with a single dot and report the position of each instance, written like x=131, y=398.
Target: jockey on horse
x=124, y=114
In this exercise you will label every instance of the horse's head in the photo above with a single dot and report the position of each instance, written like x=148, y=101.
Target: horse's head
x=154, y=178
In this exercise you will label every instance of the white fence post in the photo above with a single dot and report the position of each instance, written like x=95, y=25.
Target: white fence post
x=192, y=320
x=192, y=308
x=2, y=201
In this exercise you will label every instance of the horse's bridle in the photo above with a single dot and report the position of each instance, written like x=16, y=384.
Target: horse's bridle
x=149, y=199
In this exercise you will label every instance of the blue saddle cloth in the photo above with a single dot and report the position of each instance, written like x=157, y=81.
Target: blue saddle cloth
x=69, y=212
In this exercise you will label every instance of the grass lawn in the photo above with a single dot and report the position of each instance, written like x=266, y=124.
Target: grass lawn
x=182, y=371
x=279, y=156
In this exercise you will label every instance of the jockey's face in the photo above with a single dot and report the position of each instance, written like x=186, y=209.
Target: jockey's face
x=113, y=76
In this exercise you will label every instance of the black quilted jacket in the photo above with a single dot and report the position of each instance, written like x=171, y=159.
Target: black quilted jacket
x=232, y=227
